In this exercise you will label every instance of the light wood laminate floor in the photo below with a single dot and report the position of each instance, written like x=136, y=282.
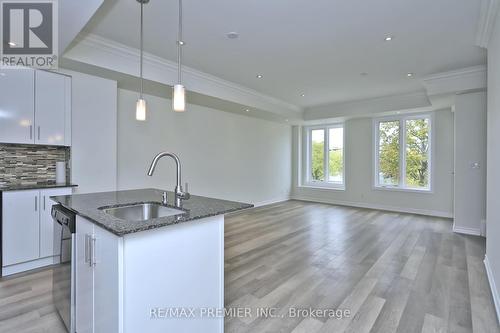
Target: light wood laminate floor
x=394, y=272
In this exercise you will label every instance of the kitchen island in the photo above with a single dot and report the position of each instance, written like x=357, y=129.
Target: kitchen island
x=142, y=266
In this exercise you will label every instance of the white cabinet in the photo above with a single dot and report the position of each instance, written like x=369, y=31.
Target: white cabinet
x=50, y=108
x=84, y=277
x=47, y=225
x=28, y=229
x=106, y=288
x=35, y=107
x=17, y=112
x=97, y=271
x=20, y=232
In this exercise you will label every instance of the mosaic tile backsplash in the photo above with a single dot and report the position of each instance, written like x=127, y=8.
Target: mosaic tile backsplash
x=31, y=164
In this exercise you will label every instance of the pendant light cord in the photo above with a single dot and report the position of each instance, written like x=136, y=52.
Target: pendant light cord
x=142, y=46
x=180, y=42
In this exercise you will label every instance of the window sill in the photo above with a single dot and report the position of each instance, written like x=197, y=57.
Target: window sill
x=399, y=189
x=323, y=187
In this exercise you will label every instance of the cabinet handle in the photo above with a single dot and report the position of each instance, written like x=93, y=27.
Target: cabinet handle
x=38, y=132
x=36, y=203
x=94, y=257
x=31, y=132
x=87, y=248
x=92, y=251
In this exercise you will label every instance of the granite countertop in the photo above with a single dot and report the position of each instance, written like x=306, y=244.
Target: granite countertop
x=197, y=207
x=34, y=186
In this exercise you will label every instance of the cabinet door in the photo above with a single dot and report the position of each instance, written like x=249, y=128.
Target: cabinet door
x=50, y=108
x=17, y=105
x=20, y=227
x=106, y=286
x=47, y=225
x=84, y=277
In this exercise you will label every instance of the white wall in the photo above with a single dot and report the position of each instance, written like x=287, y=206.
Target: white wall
x=470, y=148
x=93, y=133
x=493, y=150
x=73, y=16
x=223, y=155
x=359, y=172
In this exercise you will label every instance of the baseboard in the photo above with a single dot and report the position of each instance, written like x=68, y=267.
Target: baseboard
x=270, y=202
x=493, y=287
x=376, y=206
x=30, y=265
x=467, y=231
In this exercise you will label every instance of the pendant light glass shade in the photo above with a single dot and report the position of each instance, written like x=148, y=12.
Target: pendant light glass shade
x=179, y=98
x=140, y=110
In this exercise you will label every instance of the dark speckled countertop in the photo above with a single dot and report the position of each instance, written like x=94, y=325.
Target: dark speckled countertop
x=34, y=186
x=197, y=207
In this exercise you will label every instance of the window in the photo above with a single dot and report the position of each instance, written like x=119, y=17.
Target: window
x=325, y=156
x=403, y=152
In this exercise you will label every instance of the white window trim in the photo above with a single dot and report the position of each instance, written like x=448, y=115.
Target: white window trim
x=402, y=156
x=307, y=144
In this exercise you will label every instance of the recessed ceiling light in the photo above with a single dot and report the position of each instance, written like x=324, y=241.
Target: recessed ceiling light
x=260, y=76
x=232, y=35
x=303, y=95
x=247, y=110
x=12, y=43
x=388, y=38
x=410, y=75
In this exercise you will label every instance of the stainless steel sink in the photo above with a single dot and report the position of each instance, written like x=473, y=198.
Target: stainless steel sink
x=142, y=212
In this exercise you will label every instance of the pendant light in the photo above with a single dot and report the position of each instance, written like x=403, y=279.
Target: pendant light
x=140, y=108
x=179, y=92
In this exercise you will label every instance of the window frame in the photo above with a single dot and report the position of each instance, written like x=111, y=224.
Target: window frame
x=402, y=186
x=307, y=179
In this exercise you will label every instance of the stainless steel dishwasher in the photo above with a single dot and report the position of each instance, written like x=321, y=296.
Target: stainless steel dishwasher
x=63, y=279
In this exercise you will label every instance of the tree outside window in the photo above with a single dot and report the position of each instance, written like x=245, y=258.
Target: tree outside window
x=417, y=153
x=326, y=155
x=404, y=152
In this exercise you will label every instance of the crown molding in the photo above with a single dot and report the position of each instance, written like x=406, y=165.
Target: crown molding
x=457, y=73
x=102, y=52
x=456, y=81
x=487, y=17
x=417, y=101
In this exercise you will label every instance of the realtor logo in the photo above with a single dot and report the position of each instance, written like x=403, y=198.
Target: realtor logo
x=29, y=33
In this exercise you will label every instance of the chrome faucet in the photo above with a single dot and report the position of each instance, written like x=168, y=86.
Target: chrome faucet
x=180, y=194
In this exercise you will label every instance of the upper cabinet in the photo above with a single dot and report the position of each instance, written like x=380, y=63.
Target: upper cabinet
x=51, y=102
x=35, y=107
x=17, y=105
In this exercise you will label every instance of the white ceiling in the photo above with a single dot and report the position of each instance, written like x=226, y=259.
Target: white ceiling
x=316, y=47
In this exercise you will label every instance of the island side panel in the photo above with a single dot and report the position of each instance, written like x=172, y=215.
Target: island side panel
x=178, y=266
